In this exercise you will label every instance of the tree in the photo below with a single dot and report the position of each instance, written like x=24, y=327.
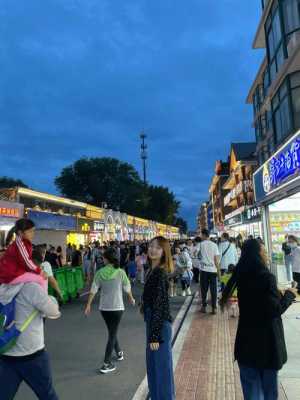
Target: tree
x=98, y=180
x=162, y=205
x=182, y=225
x=6, y=182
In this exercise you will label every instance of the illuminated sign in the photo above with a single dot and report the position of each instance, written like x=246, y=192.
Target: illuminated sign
x=282, y=168
x=11, y=210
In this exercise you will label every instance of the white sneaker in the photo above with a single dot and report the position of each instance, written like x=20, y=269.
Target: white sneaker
x=183, y=294
x=189, y=292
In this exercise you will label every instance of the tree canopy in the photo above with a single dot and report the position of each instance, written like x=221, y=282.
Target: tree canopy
x=6, y=182
x=118, y=184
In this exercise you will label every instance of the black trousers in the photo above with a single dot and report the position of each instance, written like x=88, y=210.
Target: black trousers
x=296, y=277
x=196, y=272
x=112, y=320
x=208, y=280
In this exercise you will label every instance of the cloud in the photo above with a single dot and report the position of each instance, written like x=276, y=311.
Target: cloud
x=83, y=78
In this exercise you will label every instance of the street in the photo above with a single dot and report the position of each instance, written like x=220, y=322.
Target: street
x=76, y=346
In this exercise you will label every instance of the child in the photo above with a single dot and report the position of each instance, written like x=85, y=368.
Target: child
x=132, y=269
x=233, y=301
x=16, y=265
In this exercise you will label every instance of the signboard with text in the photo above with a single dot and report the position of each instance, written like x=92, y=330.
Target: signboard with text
x=11, y=210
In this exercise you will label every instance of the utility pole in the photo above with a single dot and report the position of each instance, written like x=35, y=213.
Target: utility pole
x=144, y=155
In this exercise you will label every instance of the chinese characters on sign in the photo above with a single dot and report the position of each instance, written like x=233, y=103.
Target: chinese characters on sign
x=9, y=212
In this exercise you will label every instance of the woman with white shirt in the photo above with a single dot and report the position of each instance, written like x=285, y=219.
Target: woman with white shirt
x=228, y=253
x=293, y=243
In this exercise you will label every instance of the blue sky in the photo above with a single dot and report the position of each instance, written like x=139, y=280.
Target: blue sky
x=83, y=77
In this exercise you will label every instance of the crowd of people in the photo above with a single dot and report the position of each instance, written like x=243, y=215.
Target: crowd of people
x=231, y=269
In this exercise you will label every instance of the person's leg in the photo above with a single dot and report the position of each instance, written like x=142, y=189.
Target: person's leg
x=251, y=383
x=118, y=317
x=10, y=380
x=112, y=320
x=36, y=373
x=213, y=278
x=270, y=384
x=204, y=287
x=296, y=277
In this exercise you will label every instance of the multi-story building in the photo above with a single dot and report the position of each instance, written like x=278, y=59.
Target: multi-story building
x=218, y=193
x=243, y=216
x=275, y=95
x=202, y=219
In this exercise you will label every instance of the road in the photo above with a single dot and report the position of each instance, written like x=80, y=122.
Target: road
x=76, y=345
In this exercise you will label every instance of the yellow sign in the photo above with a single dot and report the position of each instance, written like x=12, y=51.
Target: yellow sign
x=94, y=212
x=130, y=220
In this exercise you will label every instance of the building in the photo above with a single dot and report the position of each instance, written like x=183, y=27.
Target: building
x=217, y=194
x=202, y=219
x=275, y=95
x=243, y=215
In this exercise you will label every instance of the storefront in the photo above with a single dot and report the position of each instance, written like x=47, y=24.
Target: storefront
x=277, y=189
x=141, y=229
x=54, y=229
x=245, y=221
x=10, y=212
x=110, y=227
x=97, y=233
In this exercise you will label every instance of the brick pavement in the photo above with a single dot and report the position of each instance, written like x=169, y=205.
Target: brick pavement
x=205, y=370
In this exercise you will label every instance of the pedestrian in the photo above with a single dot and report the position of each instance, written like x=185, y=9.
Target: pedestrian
x=69, y=252
x=60, y=258
x=141, y=261
x=52, y=257
x=184, y=267
x=124, y=255
x=209, y=266
x=132, y=269
x=287, y=251
x=228, y=253
x=196, y=260
x=38, y=256
x=293, y=243
x=28, y=361
x=260, y=348
x=16, y=265
x=76, y=257
x=111, y=280
x=87, y=263
x=156, y=310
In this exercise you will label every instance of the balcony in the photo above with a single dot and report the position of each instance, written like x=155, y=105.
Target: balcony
x=241, y=187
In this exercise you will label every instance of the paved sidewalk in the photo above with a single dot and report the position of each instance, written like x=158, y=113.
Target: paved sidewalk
x=205, y=370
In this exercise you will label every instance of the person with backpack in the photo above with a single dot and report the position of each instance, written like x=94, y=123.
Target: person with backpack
x=23, y=357
x=16, y=265
x=111, y=280
x=228, y=254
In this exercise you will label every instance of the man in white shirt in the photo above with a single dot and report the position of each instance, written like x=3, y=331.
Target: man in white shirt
x=228, y=253
x=209, y=267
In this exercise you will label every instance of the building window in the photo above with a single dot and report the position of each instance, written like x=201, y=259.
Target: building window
x=295, y=93
x=282, y=113
x=291, y=17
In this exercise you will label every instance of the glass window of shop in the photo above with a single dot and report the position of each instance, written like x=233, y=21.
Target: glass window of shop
x=274, y=38
x=295, y=93
x=284, y=217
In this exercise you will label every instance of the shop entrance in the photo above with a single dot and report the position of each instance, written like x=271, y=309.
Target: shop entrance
x=284, y=217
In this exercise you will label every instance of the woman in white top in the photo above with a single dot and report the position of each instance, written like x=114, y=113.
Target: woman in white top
x=293, y=243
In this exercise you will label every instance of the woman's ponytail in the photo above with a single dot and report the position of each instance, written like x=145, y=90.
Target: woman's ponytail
x=10, y=236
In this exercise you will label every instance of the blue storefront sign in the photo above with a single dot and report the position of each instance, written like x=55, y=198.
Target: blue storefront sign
x=49, y=221
x=279, y=170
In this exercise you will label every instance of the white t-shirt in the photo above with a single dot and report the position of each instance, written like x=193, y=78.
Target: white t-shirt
x=46, y=267
x=208, y=250
x=228, y=255
x=295, y=259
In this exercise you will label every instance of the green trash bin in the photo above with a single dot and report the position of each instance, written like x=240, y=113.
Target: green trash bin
x=79, y=279
x=51, y=291
x=71, y=282
x=60, y=276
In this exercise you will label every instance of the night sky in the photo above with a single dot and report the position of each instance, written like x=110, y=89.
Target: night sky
x=83, y=77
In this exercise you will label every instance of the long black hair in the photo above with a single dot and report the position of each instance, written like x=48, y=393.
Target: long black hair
x=250, y=263
x=21, y=225
x=111, y=256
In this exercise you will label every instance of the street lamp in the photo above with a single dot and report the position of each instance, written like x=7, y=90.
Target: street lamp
x=144, y=154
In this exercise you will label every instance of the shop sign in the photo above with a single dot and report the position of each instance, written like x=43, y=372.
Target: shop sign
x=49, y=221
x=252, y=214
x=85, y=225
x=98, y=226
x=235, y=220
x=11, y=210
x=282, y=168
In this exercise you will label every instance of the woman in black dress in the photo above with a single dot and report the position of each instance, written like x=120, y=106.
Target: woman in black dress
x=158, y=321
x=260, y=345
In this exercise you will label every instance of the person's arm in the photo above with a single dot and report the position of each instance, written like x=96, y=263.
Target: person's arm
x=23, y=253
x=53, y=283
x=39, y=299
x=276, y=304
x=157, y=320
x=94, y=289
x=217, y=263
